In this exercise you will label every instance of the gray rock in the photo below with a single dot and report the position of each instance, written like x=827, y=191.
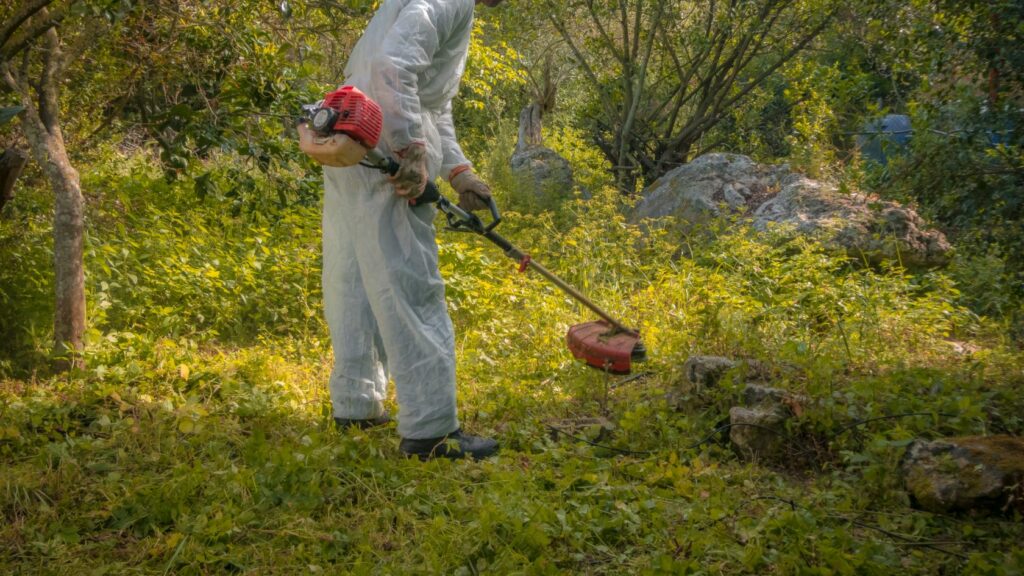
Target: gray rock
x=700, y=372
x=757, y=394
x=863, y=227
x=759, y=432
x=970, y=474
x=769, y=196
x=542, y=172
x=758, y=428
x=700, y=190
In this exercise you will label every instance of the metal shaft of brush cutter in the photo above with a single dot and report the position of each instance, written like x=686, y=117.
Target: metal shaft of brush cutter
x=609, y=345
x=462, y=221
x=605, y=344
x=515, y=254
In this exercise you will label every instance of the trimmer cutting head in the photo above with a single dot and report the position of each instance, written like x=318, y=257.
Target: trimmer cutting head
x=605, y=347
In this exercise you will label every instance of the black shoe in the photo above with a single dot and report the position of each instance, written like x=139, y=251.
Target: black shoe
x=362, y=423
x=453, y=446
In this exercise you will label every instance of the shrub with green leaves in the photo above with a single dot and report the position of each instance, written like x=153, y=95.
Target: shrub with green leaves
x=178, y=264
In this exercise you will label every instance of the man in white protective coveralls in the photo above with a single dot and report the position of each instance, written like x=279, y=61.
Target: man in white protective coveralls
x=383, y=293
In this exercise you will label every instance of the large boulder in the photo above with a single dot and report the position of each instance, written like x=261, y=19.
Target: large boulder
x=862, y=226
x=971, y=474
x=542, y=172
x=696, y=192
x=539, y=171
x=772, y=196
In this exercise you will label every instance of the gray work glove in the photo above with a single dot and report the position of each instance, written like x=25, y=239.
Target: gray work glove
x=411, y=178
x=473, y=192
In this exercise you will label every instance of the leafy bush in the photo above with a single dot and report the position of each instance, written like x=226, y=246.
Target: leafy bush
x=26, y=281
x=178, y=265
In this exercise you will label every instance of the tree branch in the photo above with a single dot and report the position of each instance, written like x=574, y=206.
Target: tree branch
x=743, y=54
x=33, y=32
x=604, y=33
x=50, y=81
x=624, y=24
x=580, y=58
x=19, y=18
x=783, y=59
x=704, y=121
x=637, y=22
x=638, y=92
x=11, y=81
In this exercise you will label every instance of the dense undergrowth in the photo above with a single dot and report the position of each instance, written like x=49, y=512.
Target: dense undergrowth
x=198, y=440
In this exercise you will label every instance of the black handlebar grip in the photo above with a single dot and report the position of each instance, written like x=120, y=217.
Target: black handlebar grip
x=430, y=195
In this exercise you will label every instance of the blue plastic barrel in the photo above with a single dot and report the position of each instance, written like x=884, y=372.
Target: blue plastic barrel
x=885, y=138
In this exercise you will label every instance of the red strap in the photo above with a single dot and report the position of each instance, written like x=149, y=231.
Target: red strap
x=524, y=262
x=458, y=170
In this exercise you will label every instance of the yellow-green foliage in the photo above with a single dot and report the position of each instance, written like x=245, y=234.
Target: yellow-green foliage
x=491, y=83
x=812, y=87
x=590, y=168
x=492, y=64
x=199, y=439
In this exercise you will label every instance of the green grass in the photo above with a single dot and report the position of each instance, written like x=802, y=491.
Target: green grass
x=199, y=439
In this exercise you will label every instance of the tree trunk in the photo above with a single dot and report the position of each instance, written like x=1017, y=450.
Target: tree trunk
x=12, y=162
x=529, y=128
x=40, y=121
x=68, y=249
x=68, y=236
x=671, y=158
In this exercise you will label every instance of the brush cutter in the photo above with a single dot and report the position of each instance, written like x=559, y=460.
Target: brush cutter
x=606, y=344
x=343, y=130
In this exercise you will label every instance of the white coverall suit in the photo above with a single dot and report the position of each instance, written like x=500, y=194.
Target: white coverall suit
x=383, y=293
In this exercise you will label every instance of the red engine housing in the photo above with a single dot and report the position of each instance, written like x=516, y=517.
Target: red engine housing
x=358, y=115
x=602, y=346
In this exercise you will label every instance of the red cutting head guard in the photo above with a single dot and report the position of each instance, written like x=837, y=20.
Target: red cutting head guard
x=358, y=115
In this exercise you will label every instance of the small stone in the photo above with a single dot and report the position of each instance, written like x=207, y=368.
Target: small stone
x=963, y=348
x=756, y=394
x=700, y=372
x=969, y=474
x=759, y=432
x=758, y=428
